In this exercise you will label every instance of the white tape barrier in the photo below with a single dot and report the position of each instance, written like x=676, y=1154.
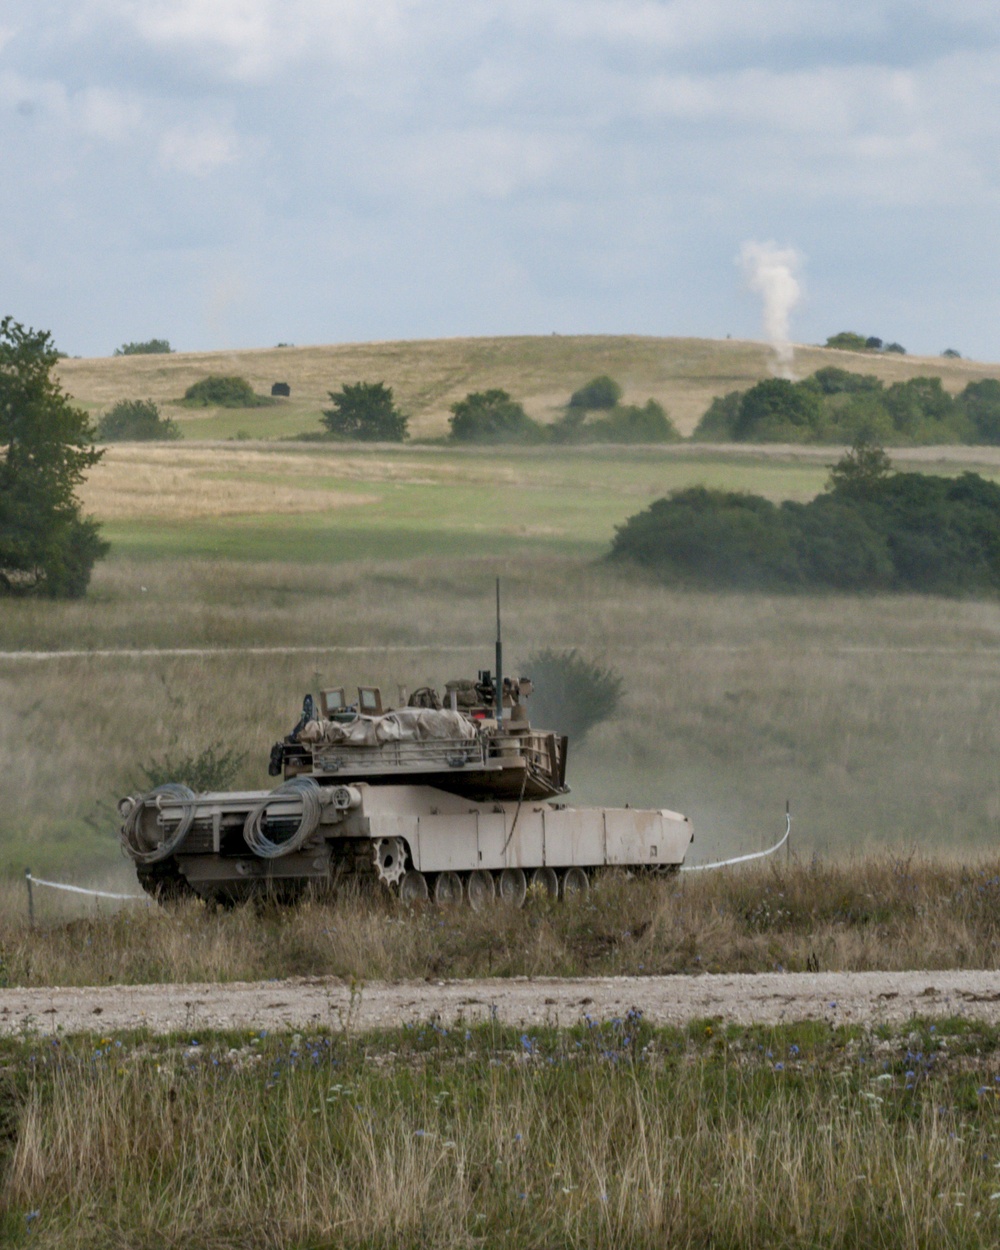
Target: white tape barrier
x=78, y=889
x=742, y=859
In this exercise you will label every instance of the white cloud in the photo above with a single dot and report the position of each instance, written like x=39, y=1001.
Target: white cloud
x=492, y=163
x=197, y=151
x=253, y=40
x=105, y=114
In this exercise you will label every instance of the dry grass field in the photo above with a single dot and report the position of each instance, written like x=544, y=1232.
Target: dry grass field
x=428, y=376
x=879, y=718
x=861, y=913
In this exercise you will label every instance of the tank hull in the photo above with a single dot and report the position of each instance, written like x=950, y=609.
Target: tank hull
x=408, y=838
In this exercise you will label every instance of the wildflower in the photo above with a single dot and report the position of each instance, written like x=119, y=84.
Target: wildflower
x=793, y=1050
x=517, y=1137
x=779, y=1067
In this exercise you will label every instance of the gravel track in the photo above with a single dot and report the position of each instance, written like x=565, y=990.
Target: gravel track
x=310, y=1002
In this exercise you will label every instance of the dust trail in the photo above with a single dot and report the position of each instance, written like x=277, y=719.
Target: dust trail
x=771, y=272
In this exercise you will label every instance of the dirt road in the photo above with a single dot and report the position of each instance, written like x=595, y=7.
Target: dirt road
x=305, y=1003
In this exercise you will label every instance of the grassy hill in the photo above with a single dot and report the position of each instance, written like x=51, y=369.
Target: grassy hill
x=429, y=375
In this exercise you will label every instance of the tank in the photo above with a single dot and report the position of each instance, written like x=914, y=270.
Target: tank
x=449, y=796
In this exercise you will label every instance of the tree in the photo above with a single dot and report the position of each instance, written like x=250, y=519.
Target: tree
x=46, y=446
x=630, y=423
x=834, y=381
x=718, y=422
x=861, y=471
x=365, y=411
x=492, y=417
x=848, y=341
x=599, y=393
x=873, y=343
x=151, y=347
x=777, y=410
x=136, y=420
x=981, y=403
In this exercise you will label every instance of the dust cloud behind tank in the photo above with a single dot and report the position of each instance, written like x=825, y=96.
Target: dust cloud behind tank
x=452, y=796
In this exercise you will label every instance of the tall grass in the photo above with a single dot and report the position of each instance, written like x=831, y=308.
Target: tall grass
x=608, y=1134
x=873, y=913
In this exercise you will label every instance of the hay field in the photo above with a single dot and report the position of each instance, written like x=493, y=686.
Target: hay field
x=428, y=376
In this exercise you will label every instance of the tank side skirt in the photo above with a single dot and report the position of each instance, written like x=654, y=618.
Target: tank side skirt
x=583, y=837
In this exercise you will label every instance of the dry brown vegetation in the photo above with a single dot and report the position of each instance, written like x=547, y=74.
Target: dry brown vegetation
x=428, y=376
x=877, y=912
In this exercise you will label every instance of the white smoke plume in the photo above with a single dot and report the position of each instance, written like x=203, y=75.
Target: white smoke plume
x=771, y=272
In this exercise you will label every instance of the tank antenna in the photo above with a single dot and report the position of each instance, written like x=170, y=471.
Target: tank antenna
x=499, y=674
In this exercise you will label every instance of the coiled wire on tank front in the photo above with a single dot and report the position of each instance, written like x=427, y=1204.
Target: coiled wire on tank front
x=136, y=845
x=257, y=840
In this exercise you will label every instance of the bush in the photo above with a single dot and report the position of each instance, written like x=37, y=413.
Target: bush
x=872, y=530
x=718, y=424
x=779, y=411
x=571, y=695
x=898, y=348
x=834, y=381
x=365, y=411
x=980, y=402
x=626, y=423
x=838, y=406
x=704, y=538
x=151, y=347
x=598, y=394
x=217, y=391
x=136, y=420
x=848, y=341
x=211, y=769
x=951, y=354
x=493, y=417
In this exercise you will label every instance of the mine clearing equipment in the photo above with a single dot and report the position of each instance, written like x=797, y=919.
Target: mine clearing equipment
x=447, y=800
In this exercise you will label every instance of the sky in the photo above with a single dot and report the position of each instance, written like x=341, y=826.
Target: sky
x=237, y=173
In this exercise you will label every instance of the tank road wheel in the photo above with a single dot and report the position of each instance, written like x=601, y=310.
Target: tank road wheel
x=546, y=879
x=390, y=860
x=480, y=889
x=512, y=887
x=448, y=889
x=575, y=882
x=413, y=887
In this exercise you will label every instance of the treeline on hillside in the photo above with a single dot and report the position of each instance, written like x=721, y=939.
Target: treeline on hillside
x=871, y=530
x=838, y=406
x=593, y=414
x=366, y=412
